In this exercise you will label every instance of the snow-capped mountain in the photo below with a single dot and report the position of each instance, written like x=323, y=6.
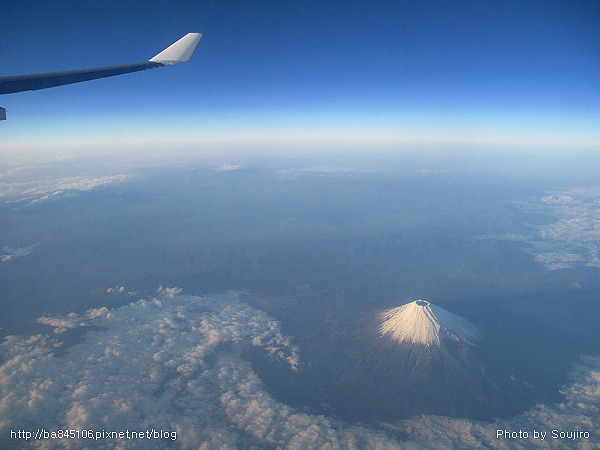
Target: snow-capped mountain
x=420, y=322
x=398, y=363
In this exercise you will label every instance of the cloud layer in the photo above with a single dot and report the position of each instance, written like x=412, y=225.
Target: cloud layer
x=25, y=193
x=174, y=363
x=574, y=234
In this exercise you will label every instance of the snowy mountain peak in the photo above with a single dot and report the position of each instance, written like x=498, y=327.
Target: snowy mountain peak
x=420, y=322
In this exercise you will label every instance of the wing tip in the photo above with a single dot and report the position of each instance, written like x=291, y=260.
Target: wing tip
x=180, y=51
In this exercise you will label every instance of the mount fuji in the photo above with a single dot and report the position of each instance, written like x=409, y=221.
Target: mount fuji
x=413, y=359
x=397, y=363
x=422, y=323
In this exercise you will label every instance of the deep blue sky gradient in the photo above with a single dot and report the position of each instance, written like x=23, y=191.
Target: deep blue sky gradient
x=456, y=70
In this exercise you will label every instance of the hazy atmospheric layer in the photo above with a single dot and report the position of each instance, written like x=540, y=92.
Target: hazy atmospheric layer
x=175, y=363
x=481, y=71
x=420, y=322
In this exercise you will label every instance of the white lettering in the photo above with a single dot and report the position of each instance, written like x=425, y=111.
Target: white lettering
x=541, y=435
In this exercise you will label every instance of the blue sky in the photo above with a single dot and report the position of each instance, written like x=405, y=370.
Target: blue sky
x=325, y=71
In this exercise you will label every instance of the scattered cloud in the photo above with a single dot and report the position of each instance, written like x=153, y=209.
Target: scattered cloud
x=12, y=253
x=174, y=363
x=120, y=290
x=573, y=237
x=574, y=423
x=62, y=324
x=229, y=167
x=169, y=292
x=26, y=193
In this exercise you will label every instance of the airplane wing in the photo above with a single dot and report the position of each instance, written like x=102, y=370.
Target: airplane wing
x=179, y=52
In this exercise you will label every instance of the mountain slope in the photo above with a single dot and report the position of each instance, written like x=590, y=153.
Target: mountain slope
x=420, y=322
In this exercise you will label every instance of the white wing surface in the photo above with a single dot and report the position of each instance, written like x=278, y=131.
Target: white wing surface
x=179, y=52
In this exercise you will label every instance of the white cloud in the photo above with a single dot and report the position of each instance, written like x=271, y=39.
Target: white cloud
x=174, y=363
x=30, y=192
x=11, y=253
x=169, y=292
x=119, y=290
x=573, y=237
x=578, y=412
x=62, y=324
x=229, y=167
